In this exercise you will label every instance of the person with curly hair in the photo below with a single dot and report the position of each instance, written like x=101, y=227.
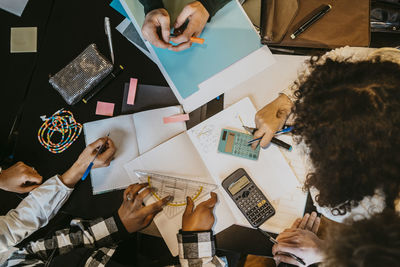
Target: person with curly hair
x=346, y=108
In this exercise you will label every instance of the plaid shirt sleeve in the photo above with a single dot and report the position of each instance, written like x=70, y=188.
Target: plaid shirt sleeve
x=102, y=235
x=197, y=249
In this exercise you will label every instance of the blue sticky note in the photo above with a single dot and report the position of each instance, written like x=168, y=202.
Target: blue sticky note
x=116, y=4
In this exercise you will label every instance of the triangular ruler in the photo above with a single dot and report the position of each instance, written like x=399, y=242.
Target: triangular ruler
x=179, y=188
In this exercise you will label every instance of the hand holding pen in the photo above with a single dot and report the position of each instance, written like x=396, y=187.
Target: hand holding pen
x=98, y=154
x=299, y=245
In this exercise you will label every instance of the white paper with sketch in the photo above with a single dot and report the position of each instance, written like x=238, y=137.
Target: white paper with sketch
x=133, y=135
x=194, y=154
x=270, y=172
x=264, y=88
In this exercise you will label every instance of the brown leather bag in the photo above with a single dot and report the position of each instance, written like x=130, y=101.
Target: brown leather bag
x=347, y=23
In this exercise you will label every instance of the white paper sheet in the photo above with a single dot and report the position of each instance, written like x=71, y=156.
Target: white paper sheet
x=270, y=172
x=265, y=87
x=15, y=7
x=151, y=130
x=178, y=157
x=122, y=132
x=132, y=135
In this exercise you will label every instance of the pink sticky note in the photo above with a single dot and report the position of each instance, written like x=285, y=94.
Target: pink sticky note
x=176, y=118
x=132, y=91
x=105, y=108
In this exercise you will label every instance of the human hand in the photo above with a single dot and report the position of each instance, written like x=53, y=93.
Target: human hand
x=156, y=23
x=271, y=119
x=300, y=240
x=134, y=216
x=19, y=178
x=75, y=173
x=197, y=15
x=202, y=217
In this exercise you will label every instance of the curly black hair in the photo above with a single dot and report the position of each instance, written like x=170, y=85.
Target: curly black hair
x=365, y=243
x=348, y=115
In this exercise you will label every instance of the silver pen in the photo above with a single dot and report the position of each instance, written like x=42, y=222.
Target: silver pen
x=107, y=29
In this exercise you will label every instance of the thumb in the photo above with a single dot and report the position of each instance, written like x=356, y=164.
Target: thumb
x=165, y=28
x=34, y=177
x=210, y=203
x=182, y=17
x=189, y=206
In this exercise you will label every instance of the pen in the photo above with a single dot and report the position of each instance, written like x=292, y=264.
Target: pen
x=89, y=168
x=181, y=29
x=273, y=240
x=319, y=13
x=107, y=29
x=274, y=140
x=103, y=83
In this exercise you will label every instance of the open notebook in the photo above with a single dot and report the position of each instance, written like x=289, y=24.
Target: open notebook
x=231, y=54
x=193, y=154
x=133, y=134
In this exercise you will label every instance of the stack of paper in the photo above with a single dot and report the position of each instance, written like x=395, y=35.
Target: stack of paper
x=231, y=54
x=194, y=154
x=132, y=135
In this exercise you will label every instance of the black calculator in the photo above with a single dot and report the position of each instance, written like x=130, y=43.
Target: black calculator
x=249, y=199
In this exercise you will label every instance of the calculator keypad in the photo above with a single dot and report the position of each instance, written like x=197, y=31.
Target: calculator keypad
x=241, y=147
x=254, y=205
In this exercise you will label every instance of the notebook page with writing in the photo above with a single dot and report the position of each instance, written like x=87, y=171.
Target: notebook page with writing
x=178, y=158
x=270, y=172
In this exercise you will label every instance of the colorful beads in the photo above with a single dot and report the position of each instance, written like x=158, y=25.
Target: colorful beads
x=63, y=122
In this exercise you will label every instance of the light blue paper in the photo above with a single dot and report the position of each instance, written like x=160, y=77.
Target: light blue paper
x=116, y=4
x=229, y=37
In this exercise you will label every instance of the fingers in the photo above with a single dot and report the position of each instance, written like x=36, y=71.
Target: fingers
x=296, y=223
x=104, y=158
x=183, y=16
x=138, y=202
x=282, y=257
x=133, y=190
x=210, y=203
x=165, y=28
x=97, y=144
x=304, y=221
x=257, y=134
x=157, y=22
x=316, y=225
x=266, y=138
x=189, y=207
x=181, y=46
x=311, y=221
x=33, y=177
x=157, y=206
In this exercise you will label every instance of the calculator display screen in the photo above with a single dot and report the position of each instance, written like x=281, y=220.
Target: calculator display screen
x=230, y=142
x=238, y=185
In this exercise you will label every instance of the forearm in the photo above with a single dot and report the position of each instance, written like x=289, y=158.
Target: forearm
x=33, y=212
x=213, y=6
x=197, y=248
x=100, y=234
